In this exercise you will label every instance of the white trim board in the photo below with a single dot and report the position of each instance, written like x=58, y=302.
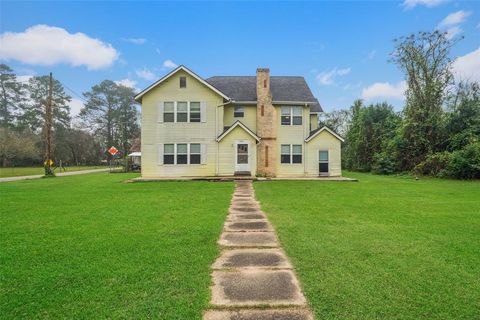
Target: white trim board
x=181, y=67
x=241, y=125
x=324, y=129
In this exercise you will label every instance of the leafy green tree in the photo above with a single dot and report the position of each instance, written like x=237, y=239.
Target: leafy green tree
x=463, y=119
x=12, y=97
x=33, y=117
x=110, y=112
x=424, y=58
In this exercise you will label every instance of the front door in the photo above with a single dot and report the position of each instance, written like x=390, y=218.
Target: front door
x=323, y=162
x=242, y=159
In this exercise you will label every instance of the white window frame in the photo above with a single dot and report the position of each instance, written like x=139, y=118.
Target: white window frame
x=291, y=115
x=291, y=153
x=175, y=153
x=243, y=111
x=194, y=153
x=175, y=111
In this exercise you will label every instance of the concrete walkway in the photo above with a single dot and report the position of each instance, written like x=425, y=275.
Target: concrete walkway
x=63, y=174
x=252, y=278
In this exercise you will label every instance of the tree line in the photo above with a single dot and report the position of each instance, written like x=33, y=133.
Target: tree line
x=109, y=118
x=437, y=132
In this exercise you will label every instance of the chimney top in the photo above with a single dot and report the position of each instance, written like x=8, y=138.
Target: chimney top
x=263, y=70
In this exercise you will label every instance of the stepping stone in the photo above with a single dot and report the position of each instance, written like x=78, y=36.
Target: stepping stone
x=248, y=239
x=242, y=195
x=256, y=287
x=248, y=225
x=269, y=314
x=246, y=216
x=252, y=258
x=245, y=209
x=247, y=203
x=234, y=212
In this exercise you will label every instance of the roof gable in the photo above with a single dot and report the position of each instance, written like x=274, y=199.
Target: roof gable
x=235, y=125
x=139, y=96
x=316, y=132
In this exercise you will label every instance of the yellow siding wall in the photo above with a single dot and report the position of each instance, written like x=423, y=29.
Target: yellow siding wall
x=313, y=121
x=226, y=152
x=292, y=135
x=154, y=132
x=249, y=119
x=324, y=141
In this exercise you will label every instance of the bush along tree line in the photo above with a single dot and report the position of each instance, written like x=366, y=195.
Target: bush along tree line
x=438, y=131
x=109, y=117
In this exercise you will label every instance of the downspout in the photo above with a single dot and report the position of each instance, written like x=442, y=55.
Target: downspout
x=304, y=143
x=216, y=134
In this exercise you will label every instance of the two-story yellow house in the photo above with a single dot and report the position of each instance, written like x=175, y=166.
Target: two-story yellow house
x=234, y=125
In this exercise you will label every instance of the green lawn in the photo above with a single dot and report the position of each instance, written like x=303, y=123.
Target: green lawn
x=30, y=171
x=92, y=247
x=383, y=247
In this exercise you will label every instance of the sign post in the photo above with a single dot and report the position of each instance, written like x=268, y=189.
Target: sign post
x=113, y=151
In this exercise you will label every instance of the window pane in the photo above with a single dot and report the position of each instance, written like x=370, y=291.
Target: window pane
x=182, y=106
x=182, y=117
x=297, y=120
x=285, y=120
x=297, y=158
x=183, y=82
x=238, y=112
x=285, y=149
x=181, y=159
x=195, y=148
x=323, y=155
x=182, y=148
x=168, y=117
x=168, y=148
x=168, y=106
x=285, y=158
x=285, y=111
x=297, y=149
x=242, y=158
x=194, y=106
x=168, y=159
x=194, y=159
x=194, y=117
x=297, y=111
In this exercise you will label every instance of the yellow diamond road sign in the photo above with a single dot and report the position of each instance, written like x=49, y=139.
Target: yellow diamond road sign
x=49, y=162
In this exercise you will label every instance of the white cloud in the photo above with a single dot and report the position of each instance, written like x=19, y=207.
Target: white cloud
x=75, y=106
x=127, y=83
x=328, y=78
x=169, y=64
x=385, y=90
x=467, y=67
x=453, y=31
x=454, y=19
x=409, y=4
x=137, y=41
x=146, y=74
x=46, y=45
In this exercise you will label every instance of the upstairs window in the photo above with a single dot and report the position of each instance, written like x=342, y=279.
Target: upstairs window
x=169, y=112
x=194, y=111
x=183, y=82
x=291, y=116
x=238, y=112
x=182, y=111
x=291, y=153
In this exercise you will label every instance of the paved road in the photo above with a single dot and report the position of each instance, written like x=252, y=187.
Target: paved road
x=63, y=174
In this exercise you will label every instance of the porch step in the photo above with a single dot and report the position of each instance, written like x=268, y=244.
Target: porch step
x=242, y=173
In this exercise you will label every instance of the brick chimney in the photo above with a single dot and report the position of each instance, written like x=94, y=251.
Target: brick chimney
x=266, y=126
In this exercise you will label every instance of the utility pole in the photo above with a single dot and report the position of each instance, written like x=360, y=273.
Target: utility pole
x=48, y=130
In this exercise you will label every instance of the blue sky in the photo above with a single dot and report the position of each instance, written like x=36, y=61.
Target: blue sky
x=341, y=48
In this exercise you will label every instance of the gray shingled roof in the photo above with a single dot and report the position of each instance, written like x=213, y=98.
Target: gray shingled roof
x=243, y=88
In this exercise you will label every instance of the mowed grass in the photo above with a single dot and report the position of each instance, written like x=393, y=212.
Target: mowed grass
x=30, y=171
x=383, y=247
x=93, y=247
